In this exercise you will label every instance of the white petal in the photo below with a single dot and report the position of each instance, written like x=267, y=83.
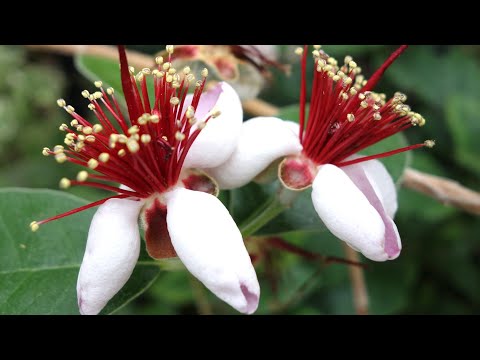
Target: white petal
x=347, y=213
x=112, y=251
x=382, y=182
x=383, y=185
x=218, y=139
x=391, y=244
x=210, y=245
x=262, y=141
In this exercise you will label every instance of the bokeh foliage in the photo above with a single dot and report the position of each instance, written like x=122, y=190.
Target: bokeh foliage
x=439, y=269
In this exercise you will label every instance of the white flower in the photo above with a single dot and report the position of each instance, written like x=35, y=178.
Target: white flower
x=353, y=195
x=157, y=157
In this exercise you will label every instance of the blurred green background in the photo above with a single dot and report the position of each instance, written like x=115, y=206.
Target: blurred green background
x=438, y=271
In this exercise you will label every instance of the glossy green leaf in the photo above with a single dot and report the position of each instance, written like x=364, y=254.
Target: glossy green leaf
x=38, y=271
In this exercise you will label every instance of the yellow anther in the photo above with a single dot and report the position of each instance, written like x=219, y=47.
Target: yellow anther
x=85, y=94
x=57, y=149
x=61, y=103
x=60, y=157
x=172, y=71
x=122, y=139
x=65, y=183
x=154, y=119
x=169, y=49
x=174, y=101
x=159, y=60
x=122, y=153
x=190, y=113
x=169, y=78
x=133, y=145
x=204, y=72
x=186, y=70
x=70, y=109
x=362, y=96
x=353, y=91
x=91, y=107
x=429, y=143
x=179, y=136
x=160, y=74
x=145, y=138
x=97, y=95
x=190, y=78
x=351, y=117
x=90, y=138
x=79, y=146
x=74, y=123
x=215, y=113
x=299, y=51
x=166, y=66
x=46, y=151
x=92, y=164
x=201, y=125
x=98, y=84
x=146, y=71
x=317, y=47
x=63, y=127
x=97, y=128
x=364, y=104
x=139, y=76
x=104, y=157
x=34, y=226
x=347, y=81
x=336, y=78
x=82, y=176
x=352, y=64
x=131, y=69
x=377, y=116
x=133, y=130
x=110, y=91
x=87, y=130
x=81, y=137
x=345, y=96
x=348, y=58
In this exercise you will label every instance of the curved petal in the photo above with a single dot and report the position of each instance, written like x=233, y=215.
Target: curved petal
x=392, y=245
x=210, y=245
x=113, y=247
x=382, y=182
x=218, y=139
x=262, y=141
x=347, y=212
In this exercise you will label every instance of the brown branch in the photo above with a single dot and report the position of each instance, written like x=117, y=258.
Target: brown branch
x=357, y=278
x=135, y=58
x=448, y=192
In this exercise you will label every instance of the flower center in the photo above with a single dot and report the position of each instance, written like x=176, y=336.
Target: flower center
x=145, y=150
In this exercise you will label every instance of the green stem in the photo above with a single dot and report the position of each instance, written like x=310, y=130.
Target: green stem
x=273, y=207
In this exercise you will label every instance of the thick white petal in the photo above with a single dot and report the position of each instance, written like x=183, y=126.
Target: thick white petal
x=347, y=213
x=210, y=245
x=112, y=251
x=392, y=244
x=218, y=139
x=383, y=184
x=262, y=141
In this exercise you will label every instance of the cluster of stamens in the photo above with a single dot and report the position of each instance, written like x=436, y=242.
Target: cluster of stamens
x=345, y=115
x=145, y=150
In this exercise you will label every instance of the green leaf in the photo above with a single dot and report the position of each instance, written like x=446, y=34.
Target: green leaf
x=97, y=68
x=38, y=271
x=462, y=118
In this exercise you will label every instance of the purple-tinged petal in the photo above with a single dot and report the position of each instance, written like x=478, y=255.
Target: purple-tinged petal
x=210, y=245
x=112, y=251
